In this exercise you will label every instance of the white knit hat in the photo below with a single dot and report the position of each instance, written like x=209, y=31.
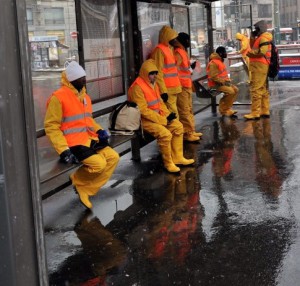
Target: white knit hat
x=74, y=71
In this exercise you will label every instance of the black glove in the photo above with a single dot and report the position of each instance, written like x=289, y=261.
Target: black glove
x=193, y=65
x=68, y=158
x=102, y=135
x=171, y=116
x=164, y=97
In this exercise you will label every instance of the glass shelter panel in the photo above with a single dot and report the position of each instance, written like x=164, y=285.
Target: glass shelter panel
x=102, y=49
x=180, y=19
x=52, y=35
x=151, y=18
x=199, y=49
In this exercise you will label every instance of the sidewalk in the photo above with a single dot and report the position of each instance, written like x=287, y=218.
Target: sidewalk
x=232, y=219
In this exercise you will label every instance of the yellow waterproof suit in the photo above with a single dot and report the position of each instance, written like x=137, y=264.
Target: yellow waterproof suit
x=169, y=135
x=184, y=99
x=166, y=34
x=245, y=48
x=97, y=168
x=259, y=66
x=222, y=84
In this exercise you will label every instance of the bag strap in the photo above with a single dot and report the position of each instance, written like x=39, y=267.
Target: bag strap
x=266, y=43
x=115, y=114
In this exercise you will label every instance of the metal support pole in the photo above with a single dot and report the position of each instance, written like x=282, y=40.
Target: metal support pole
x=251, y=17
x=22, y=250
x=276, y=20
x=210, y=37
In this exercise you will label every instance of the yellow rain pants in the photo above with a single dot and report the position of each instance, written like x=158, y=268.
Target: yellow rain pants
x=259, y=90
x=95, y=171
x=185, y=110
x=226, y=102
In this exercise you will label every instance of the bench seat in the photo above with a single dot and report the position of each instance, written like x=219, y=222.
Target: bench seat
x=203, y=91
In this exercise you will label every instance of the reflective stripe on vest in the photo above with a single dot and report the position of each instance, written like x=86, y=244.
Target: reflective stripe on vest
x=76, y=117
x=223, y=74
x=169, y=70
x=77, y=123
x=263, y=59
x=151, y=94
x=77, y=130
x=185, y=75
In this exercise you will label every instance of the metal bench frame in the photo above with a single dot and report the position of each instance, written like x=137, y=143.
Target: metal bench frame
x=203, y=92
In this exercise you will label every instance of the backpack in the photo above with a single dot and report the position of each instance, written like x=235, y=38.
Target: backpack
x=274, y=60
x=125, y=119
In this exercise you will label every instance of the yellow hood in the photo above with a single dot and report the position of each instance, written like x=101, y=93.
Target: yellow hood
x=240, y=36
x=215, y=56
x=268, y=36
x=147, y=66
x=166, y=34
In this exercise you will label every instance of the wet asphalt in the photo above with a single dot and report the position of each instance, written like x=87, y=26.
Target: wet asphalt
x=230, y=219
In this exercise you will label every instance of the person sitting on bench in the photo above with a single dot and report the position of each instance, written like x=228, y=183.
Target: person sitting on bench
x=77, y=137
x=218, y=78
x=157, y=120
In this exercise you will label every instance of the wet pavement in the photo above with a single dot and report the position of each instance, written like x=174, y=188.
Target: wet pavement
x=231, y=219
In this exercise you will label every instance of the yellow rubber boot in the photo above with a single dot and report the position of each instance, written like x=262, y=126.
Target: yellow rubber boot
x=265, y=106
x=255, y=110
x=167, y=159
x=84, y=197
x=191, y=137
x=177, y=151
x=198, y=134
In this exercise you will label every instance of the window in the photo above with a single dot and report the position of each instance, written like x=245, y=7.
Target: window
x=264, y=10
x=152, y=17
x=29, y=17
x=102, y=49
x=54, y=16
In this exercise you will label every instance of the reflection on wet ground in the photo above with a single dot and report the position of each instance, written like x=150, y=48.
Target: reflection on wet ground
x=231, y=219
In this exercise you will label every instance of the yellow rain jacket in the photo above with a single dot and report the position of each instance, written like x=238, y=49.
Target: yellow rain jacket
x=183, y=64
x=55, y=114
x=256, y=66
x=136, y=94
x=245, y=44
x=166, y=34
x=213, y=71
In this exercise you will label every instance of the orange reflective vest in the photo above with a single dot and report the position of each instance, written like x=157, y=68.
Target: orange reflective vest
x=263, y=59
x=77, y=122
x=185, y=75
x=223, y=74
x=151, y=95
x=169, y=70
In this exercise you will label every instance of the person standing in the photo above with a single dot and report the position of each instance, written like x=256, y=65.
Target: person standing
x=259, y=56
x=167, y=78
x=184, y=99
x=244, y=49
x=157, y=120
x=218, y=78
x=77, y=137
